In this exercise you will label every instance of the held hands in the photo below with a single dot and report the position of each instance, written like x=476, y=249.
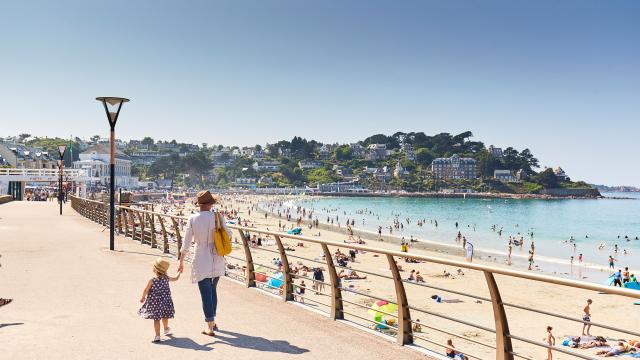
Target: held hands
x=180, y=267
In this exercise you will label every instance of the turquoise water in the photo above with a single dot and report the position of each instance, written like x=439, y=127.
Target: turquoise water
x=553, y=223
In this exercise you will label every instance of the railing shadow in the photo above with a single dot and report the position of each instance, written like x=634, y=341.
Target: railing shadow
x=10, y=324
x=236, y=340
x=257, y=343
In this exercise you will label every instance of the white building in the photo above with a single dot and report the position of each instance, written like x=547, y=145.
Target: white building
x=560, y=174
x=324, y=152
x=95, y=160
x=504, y=176
x=309, y=164
x=495, y=151
x=266, y=165
x=454, y=167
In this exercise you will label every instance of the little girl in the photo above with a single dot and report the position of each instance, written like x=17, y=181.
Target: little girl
x=158, y=304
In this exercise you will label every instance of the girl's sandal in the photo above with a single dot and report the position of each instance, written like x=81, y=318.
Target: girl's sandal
x=208, y=333
x=156, y=339
x=4, y=302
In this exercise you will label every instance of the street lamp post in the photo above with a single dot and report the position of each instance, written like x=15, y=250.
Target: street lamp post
x=61, y=150
x=112, y=106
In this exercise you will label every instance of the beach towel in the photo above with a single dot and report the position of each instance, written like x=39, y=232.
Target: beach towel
x=634, y=355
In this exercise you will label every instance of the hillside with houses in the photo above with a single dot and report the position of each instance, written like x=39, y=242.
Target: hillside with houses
x=412, y=162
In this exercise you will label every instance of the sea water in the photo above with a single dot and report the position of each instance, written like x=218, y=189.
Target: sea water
x=595, y=226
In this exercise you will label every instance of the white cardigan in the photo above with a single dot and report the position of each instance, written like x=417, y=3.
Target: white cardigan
x=206, y=262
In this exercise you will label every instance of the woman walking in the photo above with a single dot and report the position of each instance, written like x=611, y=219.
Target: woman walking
x=207, y=265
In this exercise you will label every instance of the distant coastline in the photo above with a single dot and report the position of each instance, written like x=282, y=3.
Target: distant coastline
x=440, y=195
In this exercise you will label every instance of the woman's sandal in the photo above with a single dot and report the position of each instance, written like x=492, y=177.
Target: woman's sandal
x=4, y=302
x=208, y=333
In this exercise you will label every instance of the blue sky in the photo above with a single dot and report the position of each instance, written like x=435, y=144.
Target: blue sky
x=559, y=77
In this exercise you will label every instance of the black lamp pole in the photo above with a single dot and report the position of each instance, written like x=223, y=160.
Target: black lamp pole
x=61, y=150
x=112, y=116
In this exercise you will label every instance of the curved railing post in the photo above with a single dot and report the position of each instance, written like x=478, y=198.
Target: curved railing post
x=504, y=349
x=176, y=228
x=125, y=222
x=141, y=220
x=336, y=294
x=118, y=221
x=405, y=332
x=250, y=276
x=287, y=293
x=165, y=238
x=104, y=214
x=152, y=225
x=132, y=217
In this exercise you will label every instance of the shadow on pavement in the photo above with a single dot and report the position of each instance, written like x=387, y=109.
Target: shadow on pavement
x=185, y=343
x=257, y=343
x=10, y=324
x=236, y=340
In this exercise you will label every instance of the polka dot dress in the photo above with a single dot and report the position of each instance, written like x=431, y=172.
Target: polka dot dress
x=159, y=304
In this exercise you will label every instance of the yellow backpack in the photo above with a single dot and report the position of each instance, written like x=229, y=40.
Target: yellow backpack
x=221, y=238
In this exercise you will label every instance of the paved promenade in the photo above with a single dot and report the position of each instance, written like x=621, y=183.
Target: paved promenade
x=75, y=299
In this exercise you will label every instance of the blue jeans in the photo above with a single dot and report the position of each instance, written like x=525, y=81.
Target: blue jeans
x=209, y=297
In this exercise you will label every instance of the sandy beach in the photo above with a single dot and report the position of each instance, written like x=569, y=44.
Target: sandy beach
x=606, y=309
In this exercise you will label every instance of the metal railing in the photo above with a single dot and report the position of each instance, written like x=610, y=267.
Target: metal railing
x=23, y=174
x=163, y=231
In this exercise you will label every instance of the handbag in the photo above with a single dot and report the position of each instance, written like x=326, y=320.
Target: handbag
x=221, y=238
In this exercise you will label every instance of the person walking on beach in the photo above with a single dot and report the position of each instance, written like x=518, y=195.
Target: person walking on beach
x=612, y=262
x=530, y=260
x=207, y=266
x=156, y=298
x=586, y=319
x=617, y=278
x=551, y=341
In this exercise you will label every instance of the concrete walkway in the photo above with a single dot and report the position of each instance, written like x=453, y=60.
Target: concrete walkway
x=74, y=299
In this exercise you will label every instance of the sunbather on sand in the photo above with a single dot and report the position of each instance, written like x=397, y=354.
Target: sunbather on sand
x=616, y=350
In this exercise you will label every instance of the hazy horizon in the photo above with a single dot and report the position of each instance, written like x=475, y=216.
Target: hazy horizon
x=559, y=78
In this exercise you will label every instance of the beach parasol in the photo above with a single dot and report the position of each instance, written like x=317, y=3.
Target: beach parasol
x=295, y=231
x=380, y=307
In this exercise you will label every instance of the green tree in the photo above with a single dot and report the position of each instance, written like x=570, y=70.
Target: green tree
x=320, y=175
x=487, y=164
x=424, y=156
x=547, y=179
x=343, y=153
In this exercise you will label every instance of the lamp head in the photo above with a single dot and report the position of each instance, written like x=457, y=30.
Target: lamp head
x=112, y=106
x=61, y=150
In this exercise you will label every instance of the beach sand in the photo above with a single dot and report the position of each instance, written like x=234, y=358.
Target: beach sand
x=606, y=309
